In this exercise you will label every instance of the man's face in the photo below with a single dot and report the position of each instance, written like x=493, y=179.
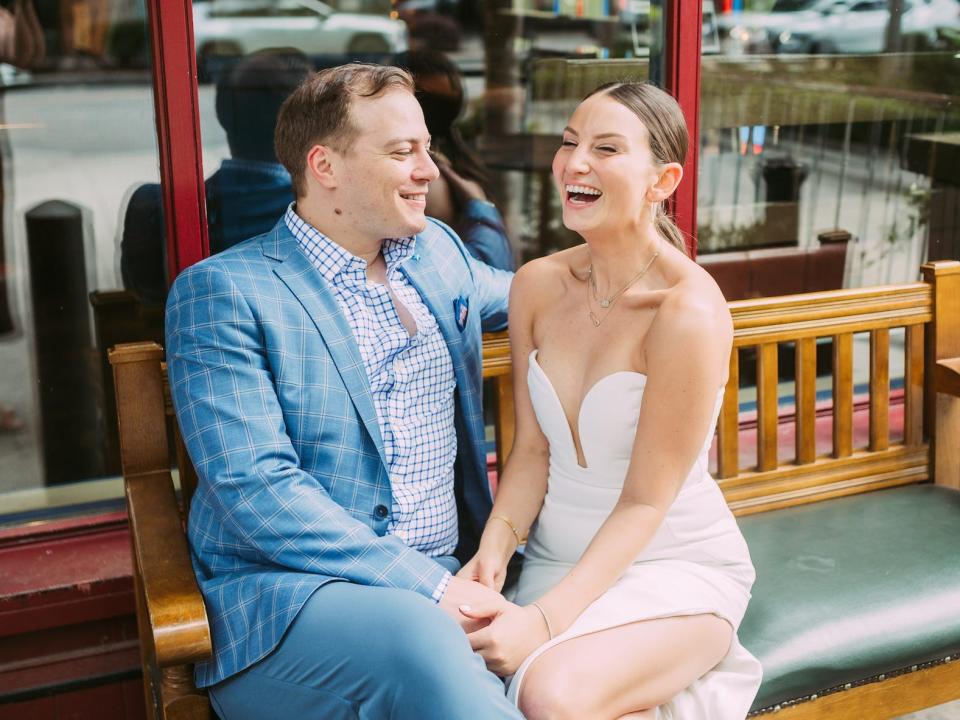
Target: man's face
x=383, y=177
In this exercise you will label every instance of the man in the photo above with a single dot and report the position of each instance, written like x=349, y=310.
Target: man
x=327, y=383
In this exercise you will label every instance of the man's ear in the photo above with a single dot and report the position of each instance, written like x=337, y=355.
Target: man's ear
x=321, y=161
x=666, y=182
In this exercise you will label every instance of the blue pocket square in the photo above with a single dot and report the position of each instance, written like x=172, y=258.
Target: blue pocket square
x=461, y=310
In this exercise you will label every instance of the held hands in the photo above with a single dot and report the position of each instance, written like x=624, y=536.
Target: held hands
x=463, y=592
x=512, y=634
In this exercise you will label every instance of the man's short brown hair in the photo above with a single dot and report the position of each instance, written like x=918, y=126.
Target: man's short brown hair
x=318, y=112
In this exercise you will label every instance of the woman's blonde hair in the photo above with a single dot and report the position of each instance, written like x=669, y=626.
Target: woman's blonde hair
x=666, y=134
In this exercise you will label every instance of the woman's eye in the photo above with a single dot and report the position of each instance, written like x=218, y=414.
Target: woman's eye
x=568, y=143
x=607, y=149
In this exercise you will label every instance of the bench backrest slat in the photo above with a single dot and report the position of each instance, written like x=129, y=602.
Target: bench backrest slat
x=879, y=389
x=913, y=384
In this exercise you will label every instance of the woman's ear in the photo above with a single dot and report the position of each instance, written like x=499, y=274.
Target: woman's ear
x=666, y=182
x=321, y=160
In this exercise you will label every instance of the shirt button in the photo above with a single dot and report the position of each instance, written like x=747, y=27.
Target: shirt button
x=381, y=512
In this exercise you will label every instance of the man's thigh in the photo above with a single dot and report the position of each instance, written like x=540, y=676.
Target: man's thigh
x=367, y=653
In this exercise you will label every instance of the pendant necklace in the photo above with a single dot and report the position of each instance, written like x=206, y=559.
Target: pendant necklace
x=607, y=302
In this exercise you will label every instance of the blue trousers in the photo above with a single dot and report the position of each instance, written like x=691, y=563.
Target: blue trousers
x=367, y=653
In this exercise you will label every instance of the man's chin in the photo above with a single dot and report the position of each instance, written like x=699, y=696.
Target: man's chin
x=415, y=227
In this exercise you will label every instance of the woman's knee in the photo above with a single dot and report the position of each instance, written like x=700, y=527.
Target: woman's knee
x=550, y=693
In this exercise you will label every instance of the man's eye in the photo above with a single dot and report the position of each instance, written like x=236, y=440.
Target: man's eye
x=406, y=151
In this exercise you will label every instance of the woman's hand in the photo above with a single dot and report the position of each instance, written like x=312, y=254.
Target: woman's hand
x=514, y=633
x=487, y=567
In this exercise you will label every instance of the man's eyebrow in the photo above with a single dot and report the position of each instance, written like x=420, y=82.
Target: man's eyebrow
x=411, y=140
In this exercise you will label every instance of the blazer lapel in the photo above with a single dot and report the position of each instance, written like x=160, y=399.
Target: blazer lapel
x=305, y=282
x=423, y=275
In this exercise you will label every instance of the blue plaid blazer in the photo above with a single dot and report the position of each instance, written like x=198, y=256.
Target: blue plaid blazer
x=274, y=405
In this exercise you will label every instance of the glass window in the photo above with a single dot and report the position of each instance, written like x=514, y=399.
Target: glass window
x=829, y=146
x=497, y=81
x=77, y=145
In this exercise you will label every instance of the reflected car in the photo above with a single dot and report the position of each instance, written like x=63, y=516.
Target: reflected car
x=231, y=28
x=860, y=26
x=751, y=32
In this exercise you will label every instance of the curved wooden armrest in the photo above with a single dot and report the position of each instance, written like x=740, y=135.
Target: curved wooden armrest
x=946, y=376
x=178, y=619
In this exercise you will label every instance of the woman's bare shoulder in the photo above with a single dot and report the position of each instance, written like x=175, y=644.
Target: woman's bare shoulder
x=546, y=278
x=693, y=307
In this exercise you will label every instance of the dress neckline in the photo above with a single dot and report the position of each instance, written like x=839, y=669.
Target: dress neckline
x=575, y=436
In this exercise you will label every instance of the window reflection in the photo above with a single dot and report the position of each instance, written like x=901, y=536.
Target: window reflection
x=829, y=149
x=825, y=121
x=497, y=80
x=76, y=135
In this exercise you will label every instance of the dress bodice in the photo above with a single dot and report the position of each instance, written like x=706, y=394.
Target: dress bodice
x=606, y=426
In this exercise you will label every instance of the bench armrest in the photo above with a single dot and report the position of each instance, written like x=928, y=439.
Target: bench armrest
x=178, y=619
x=946, y=376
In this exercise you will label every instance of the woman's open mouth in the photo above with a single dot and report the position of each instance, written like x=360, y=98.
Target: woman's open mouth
x=582, y=194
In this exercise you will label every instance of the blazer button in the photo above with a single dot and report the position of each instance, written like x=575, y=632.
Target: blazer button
x=381, y=512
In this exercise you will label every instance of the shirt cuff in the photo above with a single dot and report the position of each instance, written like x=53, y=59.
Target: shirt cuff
x=442, y=587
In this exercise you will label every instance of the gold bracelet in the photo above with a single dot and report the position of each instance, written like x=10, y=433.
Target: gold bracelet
x=546, y=620
x=513, y=528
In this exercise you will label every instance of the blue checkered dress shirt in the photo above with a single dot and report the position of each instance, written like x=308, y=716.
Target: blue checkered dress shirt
x=411, y=381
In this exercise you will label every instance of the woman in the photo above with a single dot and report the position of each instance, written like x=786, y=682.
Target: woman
x=635, y=574
x=462, y=196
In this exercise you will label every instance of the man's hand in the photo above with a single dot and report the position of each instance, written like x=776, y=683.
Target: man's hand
x=461, y=592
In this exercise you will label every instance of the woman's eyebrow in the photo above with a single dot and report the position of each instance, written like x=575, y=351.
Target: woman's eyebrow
x=610, y=135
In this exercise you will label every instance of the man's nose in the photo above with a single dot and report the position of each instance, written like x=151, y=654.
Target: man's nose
x=426, y=169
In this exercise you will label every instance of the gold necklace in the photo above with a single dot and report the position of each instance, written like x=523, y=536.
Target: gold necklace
x=608, y=302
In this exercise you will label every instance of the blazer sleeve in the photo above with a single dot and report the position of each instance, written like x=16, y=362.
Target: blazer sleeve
x=233, y=427
x=491, y=285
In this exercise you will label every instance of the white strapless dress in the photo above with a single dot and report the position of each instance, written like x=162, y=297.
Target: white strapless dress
x=697, y=562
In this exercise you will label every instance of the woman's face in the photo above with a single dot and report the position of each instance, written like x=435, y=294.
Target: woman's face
x=603, y=168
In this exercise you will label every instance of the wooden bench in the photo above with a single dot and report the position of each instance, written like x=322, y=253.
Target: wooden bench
x=870, y=515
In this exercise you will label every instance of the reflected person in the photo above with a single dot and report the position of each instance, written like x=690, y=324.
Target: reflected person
x=249, y=190
x=462, y=196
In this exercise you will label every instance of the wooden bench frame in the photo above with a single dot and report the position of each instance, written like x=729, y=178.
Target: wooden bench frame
x=174, y=629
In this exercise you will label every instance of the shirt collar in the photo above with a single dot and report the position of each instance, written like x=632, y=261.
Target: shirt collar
x=332, y=260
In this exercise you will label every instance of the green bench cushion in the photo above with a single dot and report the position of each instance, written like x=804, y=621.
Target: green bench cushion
x=852, y=587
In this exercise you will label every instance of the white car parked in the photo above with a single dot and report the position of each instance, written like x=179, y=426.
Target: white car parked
x=230, y=28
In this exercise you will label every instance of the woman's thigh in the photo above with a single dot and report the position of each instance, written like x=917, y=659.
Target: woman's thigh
x=625, y=669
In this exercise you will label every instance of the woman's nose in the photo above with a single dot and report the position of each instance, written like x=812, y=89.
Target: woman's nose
x=577, y=162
